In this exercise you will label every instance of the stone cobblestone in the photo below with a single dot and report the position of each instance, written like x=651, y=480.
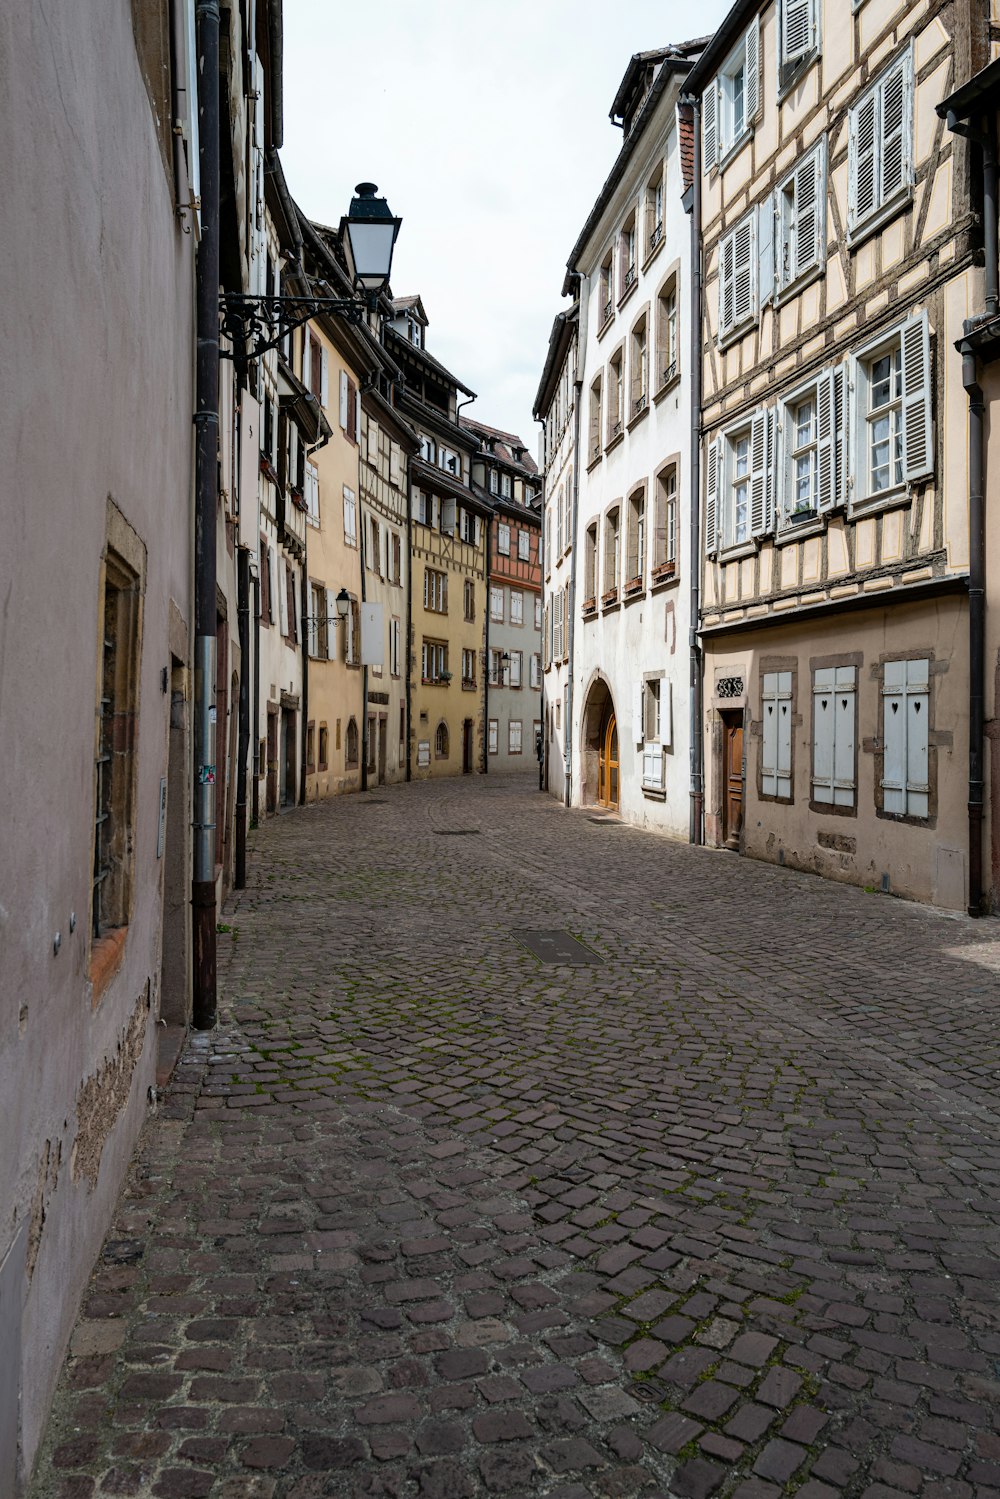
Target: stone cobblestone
x=426, y=1217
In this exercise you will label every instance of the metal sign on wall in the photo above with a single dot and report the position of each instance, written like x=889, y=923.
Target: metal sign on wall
x=372, y=635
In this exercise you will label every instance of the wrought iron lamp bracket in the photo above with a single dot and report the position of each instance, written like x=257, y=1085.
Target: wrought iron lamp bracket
x=255, y=324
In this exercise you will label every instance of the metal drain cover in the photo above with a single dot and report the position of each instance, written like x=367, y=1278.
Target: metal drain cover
x=555, y=947
x=456, y=832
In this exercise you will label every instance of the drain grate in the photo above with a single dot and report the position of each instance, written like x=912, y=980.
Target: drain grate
x=456, y=832
x=555, y=947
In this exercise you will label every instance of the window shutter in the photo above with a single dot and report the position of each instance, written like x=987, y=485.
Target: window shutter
x=861, y=191
x=841, y=385
x=826, y=416
x=283, y=601
x=776, y=752
x=343, y=399
x=712, y=497
x=331, y=624
x=710, y=125
x=652, y=768
x=357, y=418
x=306, y=361
x=667, y=713
x=809, y=212
x=759, y=464
x=753, y=70
x=313, y=622
x=844, y=700
x=894, y=112
x=449, y=510
x=917, y=737
x=638, y=694
x=324, y=383
x=765, y=248
x=797, y=32
x=726, y=314
x=918, y=457
x=744, y=279
x=894, y=736
x=824, y=719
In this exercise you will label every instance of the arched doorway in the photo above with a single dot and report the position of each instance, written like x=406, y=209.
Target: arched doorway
x=601, y=766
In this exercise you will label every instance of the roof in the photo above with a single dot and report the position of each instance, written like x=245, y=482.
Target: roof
x=422, y=357
x=438, y=481
x=410, y=304
x=638, y=64
x=559, y=340
x=719, y=45
x=503, y=445
x=524, y=514
x=981, y=89
x=674, y=64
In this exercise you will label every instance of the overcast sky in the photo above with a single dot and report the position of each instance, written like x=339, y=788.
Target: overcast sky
x=485, y=124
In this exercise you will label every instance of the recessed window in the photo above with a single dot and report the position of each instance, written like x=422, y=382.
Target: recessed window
x=880, y=149
x=595, y=419
x=114, y=810
x=729, y=103
x=612, y=554
x=351, y=749
x=892, y=414
x=627, y=255
x=654, y=211
x=590, y=567
x=667, y=362
x=606, y=283
x=436, y=591
x=441, y=742
x=636, y=563
x=665, y=527
x=639, y=393
x=616, y=397
x=434, y=661
x=739, y=488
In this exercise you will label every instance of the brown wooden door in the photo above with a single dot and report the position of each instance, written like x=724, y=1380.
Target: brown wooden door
x=732, y=804
x=607, y=792
x=467, y=746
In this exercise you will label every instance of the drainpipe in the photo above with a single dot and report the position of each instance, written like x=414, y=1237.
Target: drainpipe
x=362, y=554
x=543, y=769
x=568, y=725
x=409, y=615
x=977, y=630
x=696, y=824
x=486, y=668
x=304, y=646
x=243, y=613
x=255, y=794
x=206, y=421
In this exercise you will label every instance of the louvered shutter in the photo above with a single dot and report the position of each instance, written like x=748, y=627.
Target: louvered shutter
x=842, y=443
x=710, y=125
x=726, y=315
x=861, y=160
x=272, y=585
x=283, y=601
x=918, y=452
x=306, y=360
x=771, y=472
x=809, y=215
x=765, y=248
x=638, y=692
x=312, y=623
x=343, y=399
x=894, y=112
x=712, y=476
x=744, y=271
x=752, y=94
x=797, y=30
x=826, y=417
x=324, y=380
x=357, y=417
x=331, y=625
x=759, y=454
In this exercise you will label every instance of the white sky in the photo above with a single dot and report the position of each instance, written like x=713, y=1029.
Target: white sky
x=485, y=124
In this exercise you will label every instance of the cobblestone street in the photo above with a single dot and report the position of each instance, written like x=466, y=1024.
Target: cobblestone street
x=428, y=1218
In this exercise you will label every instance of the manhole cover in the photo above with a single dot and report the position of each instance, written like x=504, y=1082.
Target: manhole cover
x=456, y=832
x=556, y=947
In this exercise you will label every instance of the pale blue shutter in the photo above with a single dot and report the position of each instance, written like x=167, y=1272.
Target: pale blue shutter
x=844, y=705
x=862, y=187
x=917, y=737
x=895, y=111
x=710, y=125
x=918, y=451
x=765, y=248
x=824, y=719
x=752, y=94
x=826, y=418
x=712, y=475
x=894, y=736
x=759, y=455
x=331, y=625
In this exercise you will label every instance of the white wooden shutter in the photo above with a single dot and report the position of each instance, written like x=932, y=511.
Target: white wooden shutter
x=776, y=750
x=826, y=416
x=765, y=248
x=272, y=582
x=306, y=361
x=752, y=93
x=324, y=390
x=861, y=160
x=841, y=379
x=652, y=768
x=810, y=212
x=918, y=448
x=917, y=737
x=638, y=693
x=667, y=713
x=343, y=399
x=895, y=112
x=726, y=313
x=744, y=301
x=797, y=29
x=312, y=620
x=894, y=736
x=449, y=512
x=759, y=462
x=283, y=600
x=331, y=625
x=710, y=125
x=834, y=694
x=713, y=465
x=357, y=418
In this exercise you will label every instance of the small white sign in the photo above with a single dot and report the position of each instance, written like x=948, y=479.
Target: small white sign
x=372, y=633
x=161, y=831
x=424, y=752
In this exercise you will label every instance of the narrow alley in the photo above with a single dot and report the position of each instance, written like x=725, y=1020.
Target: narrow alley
x=711, y=1208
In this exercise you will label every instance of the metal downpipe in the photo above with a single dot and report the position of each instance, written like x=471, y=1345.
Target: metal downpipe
x=977, y=631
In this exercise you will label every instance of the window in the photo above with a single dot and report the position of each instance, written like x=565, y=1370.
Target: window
x=397, y=559
x=906, y=738
x=798, y=38
x=834, y=694
x=606, y=304
x=496, y=668
x=616, y=397
x=776, y=741
x=423, y=508
x=627, y=255
x=800, y=220
x=546, y=637
x=558, y=624
x=505, y=486
x=729, y=103
x=548, y=540
x=654, y=211
x=892, y=435
x=595, y=419
x=665, y=524
x=738, y=509
x=738, y=277
x=590, y=567
x=350, y=517
x=514, y=670
x=352, y=634
x=538, y=612
x=612, y=554
x=667, y=364
x=494, y=481
x=880, y=168
x=468, y=527
x=468, y=668
x=310, y=746
x=535, y=671
x=635, y=570
x=265, y=581
x=435, y=591
x=312, y=494
x=560, y=517
x=524, y=546
x=740, y=471
x=395, y=630
x=402, y=724
x=649, y=716
x=514, y=737
x=493, y=740
x=496, y=604
x=470, y=599
x=374, y=546
x=503, y=539
x=441, y=742
x=324, y=746
x=350, y=408
x=803, y=456
x=318, y=621
x=434, y=661
x=639, y=394
x=351, y=750
x=516, y=607
x=117, y=713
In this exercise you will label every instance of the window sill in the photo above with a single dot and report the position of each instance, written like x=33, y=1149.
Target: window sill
x=653, y=251
x=791, y=530
x=785, y=294
x=106, y=954
x=665, y=576
x=606, y=324
x=796, y=73
x=654, y=793
x=875, y=504
x=613, y=442
x=726, y=341
x=589, y=608
x=856, y=237
x=629, y=291
x=667, y=387
x=637, y=418
x=734, y=148
x=468, y=686
x=594, y=461
x=737, y=553
x=634, y=589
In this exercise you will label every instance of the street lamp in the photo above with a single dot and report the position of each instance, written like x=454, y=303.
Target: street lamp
x=255, y=324
x=343, y=602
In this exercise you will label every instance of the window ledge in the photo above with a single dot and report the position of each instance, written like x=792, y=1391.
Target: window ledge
x=667, y=387
x=734, y=149
x=629, y=291
x=106, y=954
x=666, y=578
x=726, y=340
x=634, y=589
x=878, y=220
x=614, y=441
x=595, y=460
x=589, y=608
x=654, y=793
x=785, y=294
x=737, y=553
x=642, y=412
x=797, y=72
x=875, y=504
x=795, y=530
x=606, y=324
x=652, y=253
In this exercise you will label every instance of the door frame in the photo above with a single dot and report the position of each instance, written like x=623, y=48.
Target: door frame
x=733, y=719
x=605, y=764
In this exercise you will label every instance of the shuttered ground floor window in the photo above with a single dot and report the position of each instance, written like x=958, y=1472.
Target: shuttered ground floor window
x=117, y=712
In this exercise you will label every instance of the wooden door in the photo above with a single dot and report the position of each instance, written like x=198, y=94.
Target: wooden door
x=732, y=791
x=608, y=768
x=467, y=746
x=272, y=763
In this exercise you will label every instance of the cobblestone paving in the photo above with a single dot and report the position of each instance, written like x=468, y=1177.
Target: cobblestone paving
x=427, y=1217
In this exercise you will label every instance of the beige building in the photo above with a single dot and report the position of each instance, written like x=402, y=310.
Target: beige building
x=839, y=266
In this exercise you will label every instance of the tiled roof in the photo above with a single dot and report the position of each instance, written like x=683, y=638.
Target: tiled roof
x=503, y=445
x=685, y=142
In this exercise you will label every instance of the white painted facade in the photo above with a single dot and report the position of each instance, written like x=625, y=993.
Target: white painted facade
x=556, y=408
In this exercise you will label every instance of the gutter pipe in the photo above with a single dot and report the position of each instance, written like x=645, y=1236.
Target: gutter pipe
x=243, y=615
x=977, y=630
x=696, y=827
x=568, y=725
